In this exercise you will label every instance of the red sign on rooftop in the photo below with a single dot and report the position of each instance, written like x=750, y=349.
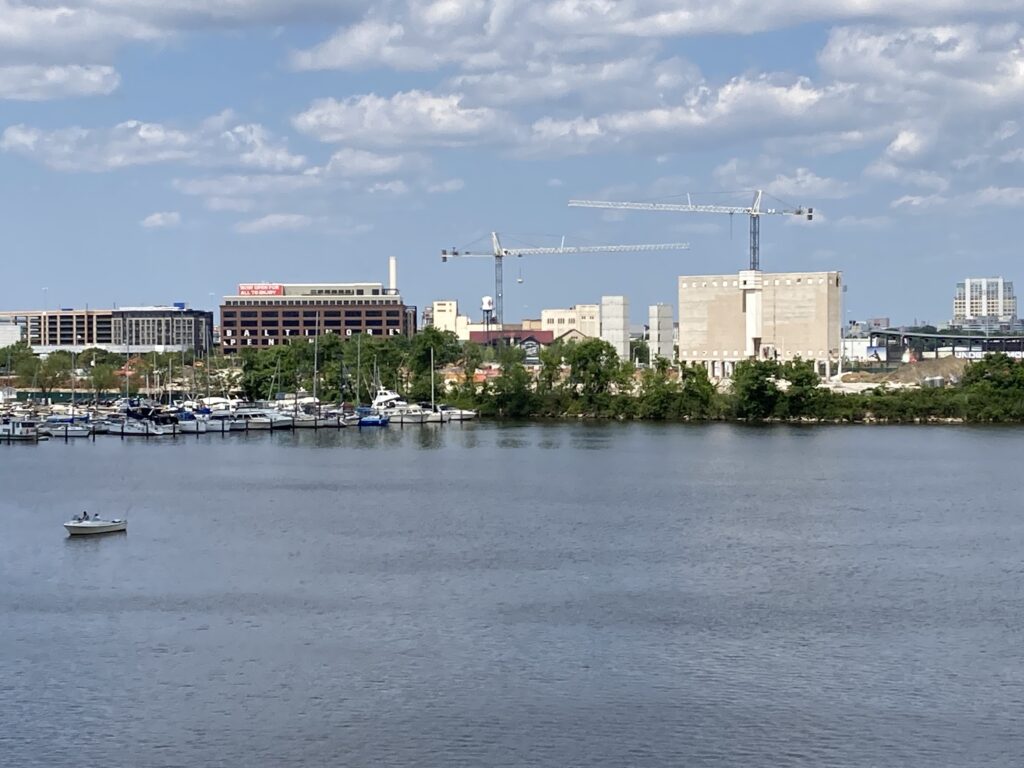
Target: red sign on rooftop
x=260, y=289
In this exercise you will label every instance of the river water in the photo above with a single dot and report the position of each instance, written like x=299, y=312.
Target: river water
x=524, y=595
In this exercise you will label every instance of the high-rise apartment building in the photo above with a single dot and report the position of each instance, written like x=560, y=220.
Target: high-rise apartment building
x=986, y=303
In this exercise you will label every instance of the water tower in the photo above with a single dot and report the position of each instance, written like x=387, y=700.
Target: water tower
x=487, y=307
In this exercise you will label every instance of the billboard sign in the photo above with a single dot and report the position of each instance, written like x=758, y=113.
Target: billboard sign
x=260, y=289
x=877, y=353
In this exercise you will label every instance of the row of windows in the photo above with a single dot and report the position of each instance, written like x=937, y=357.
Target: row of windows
x=735, y=353
x=354, y=322
x=263, y=341
x=735, y=283
x=307, y=302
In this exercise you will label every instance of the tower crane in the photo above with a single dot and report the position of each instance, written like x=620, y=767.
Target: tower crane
x=499, y=253
x=754, y=211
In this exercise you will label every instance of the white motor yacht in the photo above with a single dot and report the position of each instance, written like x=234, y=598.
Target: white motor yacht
x=389, y=403
x=94, y=526
x=19, y=430
x=456, y=414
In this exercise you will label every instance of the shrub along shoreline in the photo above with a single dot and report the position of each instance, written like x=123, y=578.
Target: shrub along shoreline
x=587, y=380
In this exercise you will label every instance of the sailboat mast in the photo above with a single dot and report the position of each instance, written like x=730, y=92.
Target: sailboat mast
x=316, y=351
x=431, y=379
x=359, y=365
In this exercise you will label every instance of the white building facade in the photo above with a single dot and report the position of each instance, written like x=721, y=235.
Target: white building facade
x=615, y=324
x=10, y=332
x=661, y=332
x=984, y=303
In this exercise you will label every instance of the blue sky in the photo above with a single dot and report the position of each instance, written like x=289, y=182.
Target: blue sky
x=161, y=151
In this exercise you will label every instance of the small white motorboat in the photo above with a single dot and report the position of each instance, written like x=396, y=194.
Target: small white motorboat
x=93, y=526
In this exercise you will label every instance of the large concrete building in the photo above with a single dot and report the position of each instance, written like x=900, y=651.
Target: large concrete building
x=615, y=323
x=173, y=328
x=785, y=315
x=585, y=318
x=985, y=303
x=11, y=332
x=660, y=332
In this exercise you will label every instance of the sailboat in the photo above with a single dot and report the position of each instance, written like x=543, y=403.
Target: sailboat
x=435, y=415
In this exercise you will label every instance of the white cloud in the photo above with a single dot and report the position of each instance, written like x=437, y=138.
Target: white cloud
x=397, y=187
x=236, y=204
x=883, y=169
x=797, y=187
x=274, y=222
x=256, y=147
x=134, y=142
x=161, y=220
x=1006, y=197
x=34, y=82
x=361, y=45
x=918, y=202
x=804, y=184
x=240, y=186
x=766, y=105
x=350, y=162
x=411, y=117
x=907, y=144
x=451, y=185
x=864, y=222
x=80, y=149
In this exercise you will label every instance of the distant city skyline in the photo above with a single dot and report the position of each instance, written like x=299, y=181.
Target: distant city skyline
x=152, y=153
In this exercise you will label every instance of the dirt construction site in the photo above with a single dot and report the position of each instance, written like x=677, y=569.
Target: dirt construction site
x=951, y=369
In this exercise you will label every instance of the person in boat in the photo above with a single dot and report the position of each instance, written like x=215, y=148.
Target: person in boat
x=84, y=517
x=95, y=515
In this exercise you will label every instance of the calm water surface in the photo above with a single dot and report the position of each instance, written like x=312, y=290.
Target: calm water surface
x=544, y=595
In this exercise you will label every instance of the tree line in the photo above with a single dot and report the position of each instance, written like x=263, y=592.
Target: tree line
x=578, y=379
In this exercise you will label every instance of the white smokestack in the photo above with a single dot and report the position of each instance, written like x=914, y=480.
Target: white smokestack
x=393, y=274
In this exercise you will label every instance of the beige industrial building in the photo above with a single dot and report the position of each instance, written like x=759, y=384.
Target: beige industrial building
x=585, y=318
x=766, y=315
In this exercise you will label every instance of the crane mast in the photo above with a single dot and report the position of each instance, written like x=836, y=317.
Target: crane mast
x=754, y=211
x=499, y=253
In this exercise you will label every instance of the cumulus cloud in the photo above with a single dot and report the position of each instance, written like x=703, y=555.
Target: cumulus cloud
x=800, y=185
x=34, y=82
x=273, y=222
x=161, y=220
x=233, y=186
x=135, y=142
x=451, y=185
x=882, y=169
x=396, y=187
x=410, y=117
x=350, y=162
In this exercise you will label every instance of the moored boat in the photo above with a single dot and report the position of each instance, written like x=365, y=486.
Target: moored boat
x=18, y=430
x=95, y=526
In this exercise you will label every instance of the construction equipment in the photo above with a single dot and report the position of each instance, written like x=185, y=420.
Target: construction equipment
x=754, y=211
x=499, y=253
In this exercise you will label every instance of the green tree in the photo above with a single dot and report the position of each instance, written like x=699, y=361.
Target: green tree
x=102, y=378
x=593, y=368
x=755, y=392
x=512, y=394
x=639, y=352
x=44, y=375
x=14, y=355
